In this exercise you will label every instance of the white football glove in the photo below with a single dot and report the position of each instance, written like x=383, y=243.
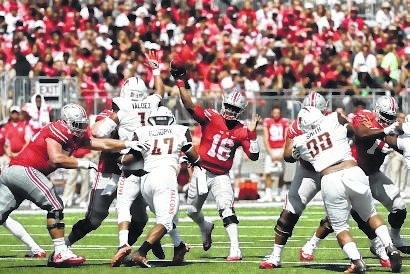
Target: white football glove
x=295, y=153
x=86, y=164
x=392, y=129
x=406, y=127
x=138, y=145
x=152, y=59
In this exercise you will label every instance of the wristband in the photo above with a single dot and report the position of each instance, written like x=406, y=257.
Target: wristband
x=156, y=72
x=254, y=147
x=180, y=83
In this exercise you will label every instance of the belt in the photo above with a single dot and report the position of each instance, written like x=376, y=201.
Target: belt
x=338, y=166
x=138, y=172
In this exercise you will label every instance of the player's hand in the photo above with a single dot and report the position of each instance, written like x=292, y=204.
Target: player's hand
x=254, y=123
x=138, y=145
x=295, y=153
x=86, y=164
x=392, y=129
x=177, y=70
x=152, y=59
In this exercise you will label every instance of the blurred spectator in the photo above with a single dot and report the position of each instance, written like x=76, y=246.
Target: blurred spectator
x=16, y=131
x=38, y=111
x=384, y=16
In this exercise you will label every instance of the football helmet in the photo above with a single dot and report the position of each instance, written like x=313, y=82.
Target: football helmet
x=316, y=100
x=309, y=118
x=161, y=116
x=385, y=109
x=134, y=88
x=233, y=105
x=76, y=119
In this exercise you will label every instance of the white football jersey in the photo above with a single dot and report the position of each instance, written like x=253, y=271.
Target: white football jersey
x=166, y=143
x=134, y=114
x=403, y=143
x=325, y=145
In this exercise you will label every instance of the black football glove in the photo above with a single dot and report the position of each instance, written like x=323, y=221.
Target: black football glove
x=177, y=71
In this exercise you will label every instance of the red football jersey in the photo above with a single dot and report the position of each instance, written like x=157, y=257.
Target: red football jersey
x=35, y=153
x=108, y=161
x=276, y=131
x=368, y=153
x=2, y=141
x=218, y=143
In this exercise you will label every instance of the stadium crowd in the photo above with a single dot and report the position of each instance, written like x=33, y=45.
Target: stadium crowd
x=261, y=48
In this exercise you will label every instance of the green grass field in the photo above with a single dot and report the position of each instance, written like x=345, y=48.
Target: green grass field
x=256, y=234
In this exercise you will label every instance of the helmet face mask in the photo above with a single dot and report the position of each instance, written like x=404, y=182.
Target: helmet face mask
x=76, y=119
x=134, y=88
x=233, y=105
x=385, y=109
x=316, y=100
x=161, y=116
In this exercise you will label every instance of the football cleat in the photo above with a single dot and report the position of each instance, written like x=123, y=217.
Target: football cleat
x=395, y=258
x=305, y=257
x=140, y=260
x=35, y=253
x=64, y=258
x=179, y=253
x=234, y=255
x=157, y=250
x=378, y=250
x=128, y=261
x=120, y=255
x=270, y=262
x=207, y=236
x=356, y=266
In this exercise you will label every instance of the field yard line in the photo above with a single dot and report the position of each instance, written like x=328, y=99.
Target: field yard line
x=338, y=262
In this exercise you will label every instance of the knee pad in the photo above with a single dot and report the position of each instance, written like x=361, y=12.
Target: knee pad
x=396, y=219
x=58, y=216
x=228, y=216
x=325, y=223
x=363, y=226
x=286, y=223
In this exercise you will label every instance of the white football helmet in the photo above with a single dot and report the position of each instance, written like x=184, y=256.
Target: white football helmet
x=385, y=109
x=316, y=100
x=134, y=88
x=161, y=116
x=233, y=105
x=309, y=118
x=76, y=119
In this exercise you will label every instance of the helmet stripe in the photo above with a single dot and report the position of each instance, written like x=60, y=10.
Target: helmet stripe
x=312, y=99
x=392, y=103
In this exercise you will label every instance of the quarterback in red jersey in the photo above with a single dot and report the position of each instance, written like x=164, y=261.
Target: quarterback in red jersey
x=49, y=149
x=222, y=134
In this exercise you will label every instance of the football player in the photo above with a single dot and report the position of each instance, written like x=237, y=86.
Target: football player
x=222, y=134
x=370, y=149
x=305, y=185
x=159, y=184
x=344, y=185
x=49, y=149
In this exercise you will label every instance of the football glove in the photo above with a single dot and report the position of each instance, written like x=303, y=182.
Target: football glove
x=392, y=129
x=152, y=59
x=177, y=70
x=295, y=153
x=138, y=145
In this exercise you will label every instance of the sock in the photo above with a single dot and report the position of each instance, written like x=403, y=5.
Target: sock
x=232, y=231
x=59, y=244
x=145, y=247
x=351, y=251
x=123, y=237
x=383, y=233
x=314, y=240
x=277, y=251
x=21, y=233
x=395, y=233
x=176, y=237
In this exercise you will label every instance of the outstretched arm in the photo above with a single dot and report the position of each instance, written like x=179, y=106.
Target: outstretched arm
x=178, y=71
x=153, y=63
